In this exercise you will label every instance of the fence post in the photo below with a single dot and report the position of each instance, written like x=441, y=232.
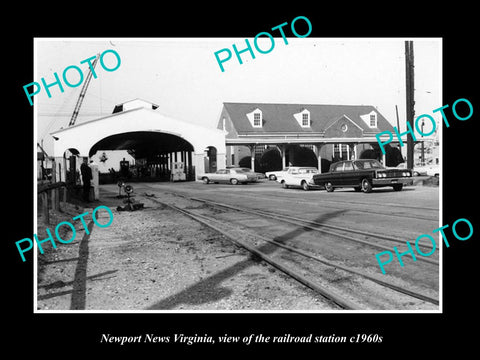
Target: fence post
x=63, y=190
x=46, y=215
x=54, y=198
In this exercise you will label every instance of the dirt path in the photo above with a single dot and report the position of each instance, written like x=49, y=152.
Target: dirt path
x=156, y=259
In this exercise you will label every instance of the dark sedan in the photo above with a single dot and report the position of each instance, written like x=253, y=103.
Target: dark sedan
x=363, y=175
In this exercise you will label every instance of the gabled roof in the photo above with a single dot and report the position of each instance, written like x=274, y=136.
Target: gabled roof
x=278, y=118
x=134, y=103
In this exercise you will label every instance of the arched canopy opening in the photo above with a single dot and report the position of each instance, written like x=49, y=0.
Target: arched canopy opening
x=143, y=144
x=72, y=162
x=156, y=144
x=210, y=159
x=71, y=152
x=157, y=155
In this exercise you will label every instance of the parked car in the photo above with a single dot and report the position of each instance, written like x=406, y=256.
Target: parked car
x=259, y=174
x=299, y=176
x=429, y=170
x=231, y=175
x=363, y=175
x=404, y=166
x=276, y=175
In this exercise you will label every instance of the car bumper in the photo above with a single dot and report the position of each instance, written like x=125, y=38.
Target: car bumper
x=392, y=181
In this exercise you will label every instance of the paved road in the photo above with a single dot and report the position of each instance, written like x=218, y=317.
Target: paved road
x=404, y=214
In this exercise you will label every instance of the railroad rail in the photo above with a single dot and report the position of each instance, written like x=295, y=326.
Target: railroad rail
x=313, y=225
x=363, y=210
x=339, y=299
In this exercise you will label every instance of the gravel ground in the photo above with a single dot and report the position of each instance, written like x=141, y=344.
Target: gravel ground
x=157, y=259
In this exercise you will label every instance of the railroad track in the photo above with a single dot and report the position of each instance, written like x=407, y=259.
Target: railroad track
x=313, y=271
x=381, y=204
x=340, y=231
x=361, y=206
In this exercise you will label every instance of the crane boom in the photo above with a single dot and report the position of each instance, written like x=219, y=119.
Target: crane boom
x=82, y=93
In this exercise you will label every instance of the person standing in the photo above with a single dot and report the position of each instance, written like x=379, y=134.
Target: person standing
x=86, y=172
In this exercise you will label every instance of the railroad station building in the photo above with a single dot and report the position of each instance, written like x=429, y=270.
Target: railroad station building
x=271, y=136
x=157, y=142
x=257, y=135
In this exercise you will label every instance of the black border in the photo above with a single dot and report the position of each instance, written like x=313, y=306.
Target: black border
x=80, y=334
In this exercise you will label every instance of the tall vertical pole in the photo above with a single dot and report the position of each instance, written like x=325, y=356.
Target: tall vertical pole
x=410, y=98
x=398, y=120
x=398, y=127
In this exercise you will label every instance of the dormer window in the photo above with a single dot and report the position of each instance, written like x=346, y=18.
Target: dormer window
x=256, y=118
x=303, y=118
x=371, y=119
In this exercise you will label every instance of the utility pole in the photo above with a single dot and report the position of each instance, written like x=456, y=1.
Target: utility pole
x=398, y=120
x=410, y=99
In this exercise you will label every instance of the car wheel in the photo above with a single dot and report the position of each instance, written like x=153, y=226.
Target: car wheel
x=398, y=187
x=329, y=187
x=233, y=181
x=284, y=185
x=205, y=180
x=272, y=177
x=366, y=186
x=305, y=186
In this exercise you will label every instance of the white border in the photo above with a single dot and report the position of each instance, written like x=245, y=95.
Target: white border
x=35, y=256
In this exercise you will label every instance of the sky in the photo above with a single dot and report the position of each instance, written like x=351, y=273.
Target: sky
x=182, y=76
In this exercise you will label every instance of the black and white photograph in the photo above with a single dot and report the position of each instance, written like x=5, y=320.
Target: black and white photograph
x=233, y=188
x=270, y=182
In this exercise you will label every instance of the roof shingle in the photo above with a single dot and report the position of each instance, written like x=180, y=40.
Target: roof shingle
x=278, y=118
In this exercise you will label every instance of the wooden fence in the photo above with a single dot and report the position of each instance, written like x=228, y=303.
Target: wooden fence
x=51, y=196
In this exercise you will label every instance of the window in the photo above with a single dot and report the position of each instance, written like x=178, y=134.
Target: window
x=257, y=119
x=340, y=152
x=358, y=165
x=348, y=166
x=305, y=120
x=338, y=167
x=373, y=120
x=336, y=152
x=369, y=164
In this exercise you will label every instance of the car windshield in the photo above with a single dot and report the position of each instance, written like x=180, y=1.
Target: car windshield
x=307, y=171
x=368, y=164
